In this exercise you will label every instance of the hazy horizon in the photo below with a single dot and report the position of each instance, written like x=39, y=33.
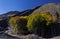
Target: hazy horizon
x=21, y=5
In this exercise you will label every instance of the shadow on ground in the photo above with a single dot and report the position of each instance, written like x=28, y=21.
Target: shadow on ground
x=49, y=32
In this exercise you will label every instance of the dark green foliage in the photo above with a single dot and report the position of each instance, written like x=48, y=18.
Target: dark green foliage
x=22, y=26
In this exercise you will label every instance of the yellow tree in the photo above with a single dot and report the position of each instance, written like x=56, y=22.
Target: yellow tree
x=18, y=24
x=38, y=19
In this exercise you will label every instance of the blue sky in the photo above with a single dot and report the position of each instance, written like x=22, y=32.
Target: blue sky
x=21, y=5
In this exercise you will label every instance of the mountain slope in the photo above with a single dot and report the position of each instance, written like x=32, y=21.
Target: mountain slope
x=51, y=31
x=53, y=8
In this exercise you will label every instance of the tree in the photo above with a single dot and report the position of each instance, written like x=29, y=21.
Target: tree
x=38, y=19
x=18, y=24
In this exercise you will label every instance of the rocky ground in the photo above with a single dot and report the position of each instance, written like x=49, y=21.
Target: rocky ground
x=30, y=36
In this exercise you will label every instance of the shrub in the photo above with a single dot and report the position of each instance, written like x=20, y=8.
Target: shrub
x=38, y=19
x=18, y=24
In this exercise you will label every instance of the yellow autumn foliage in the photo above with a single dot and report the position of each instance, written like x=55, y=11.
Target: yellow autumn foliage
x=40, y=18
x=18, y=23
x=32, y=22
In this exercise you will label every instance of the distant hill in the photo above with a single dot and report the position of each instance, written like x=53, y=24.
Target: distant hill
x=17, y=13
